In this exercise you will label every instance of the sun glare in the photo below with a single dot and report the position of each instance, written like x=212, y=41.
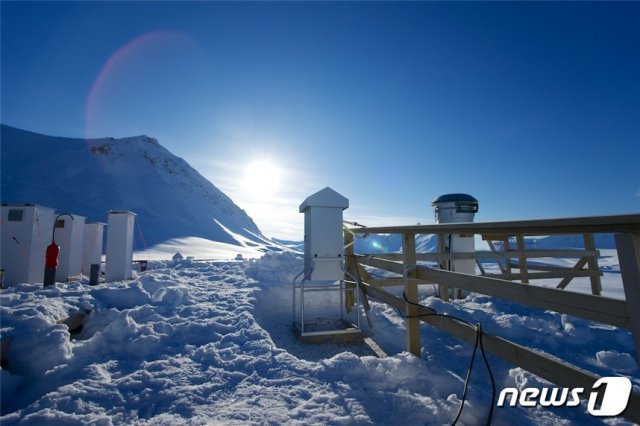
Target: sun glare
x=262, y=178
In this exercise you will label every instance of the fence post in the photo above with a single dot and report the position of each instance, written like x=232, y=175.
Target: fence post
x=628, y=246
x=592, y=261
x=522, y=260
x=411, y=292
x=506, y=248
x=442, y=264
x=349, y=266
x=348, y=249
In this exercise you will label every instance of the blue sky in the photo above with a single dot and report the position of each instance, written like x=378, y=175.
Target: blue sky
x=533, y=108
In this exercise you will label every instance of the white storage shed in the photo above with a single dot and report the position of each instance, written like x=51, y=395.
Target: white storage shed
x=92, y=245
x=323, y=235
x=457, y=208
x=26, y=231
x=69, y=236
x=119, y=245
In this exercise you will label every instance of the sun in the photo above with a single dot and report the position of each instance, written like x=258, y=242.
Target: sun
x=262, y=178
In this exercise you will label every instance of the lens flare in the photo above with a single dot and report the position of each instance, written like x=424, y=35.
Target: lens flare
x=377, y=245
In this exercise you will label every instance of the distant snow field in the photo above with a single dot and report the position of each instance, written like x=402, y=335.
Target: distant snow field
x=198, y=248
x=196, y=342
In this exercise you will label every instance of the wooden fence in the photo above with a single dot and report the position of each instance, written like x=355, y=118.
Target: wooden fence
x=593, y=307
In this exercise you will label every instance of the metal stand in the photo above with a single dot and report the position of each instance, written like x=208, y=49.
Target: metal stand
x=94, y=273
x=321, y=329
x=49, y=276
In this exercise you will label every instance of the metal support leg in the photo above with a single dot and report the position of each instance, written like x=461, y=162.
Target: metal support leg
x=49, y=276
x=307, y=329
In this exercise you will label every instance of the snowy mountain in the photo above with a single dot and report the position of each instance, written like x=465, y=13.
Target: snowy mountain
x=89, y=177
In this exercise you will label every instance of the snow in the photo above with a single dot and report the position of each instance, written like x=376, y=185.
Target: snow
x=200, y=342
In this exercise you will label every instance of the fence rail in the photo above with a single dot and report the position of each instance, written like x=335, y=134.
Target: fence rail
x=629, y=223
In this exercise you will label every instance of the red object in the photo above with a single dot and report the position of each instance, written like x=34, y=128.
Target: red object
x=51, y=258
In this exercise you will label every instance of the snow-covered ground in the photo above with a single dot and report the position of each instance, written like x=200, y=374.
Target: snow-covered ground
x=210, y=342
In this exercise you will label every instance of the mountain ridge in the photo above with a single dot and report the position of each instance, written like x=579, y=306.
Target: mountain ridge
x=91, y=176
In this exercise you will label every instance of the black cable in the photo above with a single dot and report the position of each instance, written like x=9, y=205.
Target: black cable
x=466, y=380
x=448, y=250
x=478, y=340
x=493, y=383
